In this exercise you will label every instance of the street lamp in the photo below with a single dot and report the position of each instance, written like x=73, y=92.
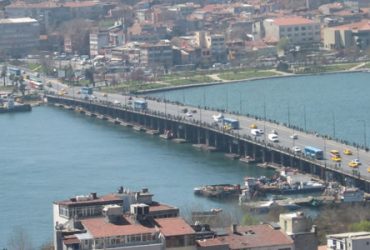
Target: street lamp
x=364, y=123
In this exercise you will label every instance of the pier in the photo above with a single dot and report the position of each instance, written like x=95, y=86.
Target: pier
x=201, y=130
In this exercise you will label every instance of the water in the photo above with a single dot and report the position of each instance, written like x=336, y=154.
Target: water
x=334, y=104
x=52, y=154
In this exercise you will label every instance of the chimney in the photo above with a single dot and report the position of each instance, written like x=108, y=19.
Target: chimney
x=234, y=228
x=94, y=196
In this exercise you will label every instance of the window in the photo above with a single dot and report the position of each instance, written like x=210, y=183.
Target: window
x=296, y=28
x=289, y=29
x=303, y=28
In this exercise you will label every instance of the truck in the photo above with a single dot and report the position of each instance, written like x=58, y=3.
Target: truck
x=232, y=123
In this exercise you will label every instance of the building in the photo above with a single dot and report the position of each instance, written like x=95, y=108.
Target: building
x=19, y=36
x=121, y=220
x=349, y=241
x=347, y=36
x=298, y=30
x=248, y=237
x=300, y=229
x=158, y=54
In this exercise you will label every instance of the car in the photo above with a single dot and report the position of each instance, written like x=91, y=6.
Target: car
x=194, y=111
x=274, y=132
x=368, y=169
x=296, y=149
x=189, y=114
x=294, y=136
x=336, y=158
x=253, y=126
x=105, y=95
x=347, y=151
x=116, y=102
x=334, y=152
x=354, y=163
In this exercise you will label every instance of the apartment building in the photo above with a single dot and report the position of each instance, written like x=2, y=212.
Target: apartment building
x=298, y=30
x=156, y=54
x=346, y=36
x=18, y=36
x=121, y=220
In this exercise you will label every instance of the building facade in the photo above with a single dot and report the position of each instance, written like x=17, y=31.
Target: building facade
x=298, y=30
x=348, y=241
x=19, y=36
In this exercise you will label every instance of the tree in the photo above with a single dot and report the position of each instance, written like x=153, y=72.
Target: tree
x=3, y=73
x=89, y=75
x=362, y=226
x=283, y=44
x=248, y=220
x=19, y=240
x=22, y=86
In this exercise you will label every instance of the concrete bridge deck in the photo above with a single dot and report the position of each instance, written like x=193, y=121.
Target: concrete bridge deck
x=203, y=118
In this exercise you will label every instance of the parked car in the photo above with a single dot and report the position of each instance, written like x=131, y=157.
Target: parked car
x=294, y=136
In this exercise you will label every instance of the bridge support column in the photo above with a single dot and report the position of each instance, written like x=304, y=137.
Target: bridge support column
x=207, y=137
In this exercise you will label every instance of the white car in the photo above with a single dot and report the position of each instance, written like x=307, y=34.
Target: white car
x=296, y=149
x=294, y=136
x=256, y=131
x=188, y=114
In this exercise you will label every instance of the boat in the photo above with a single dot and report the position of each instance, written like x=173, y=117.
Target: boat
x=247, y=159
x=10, y=106
x=266, y=206
x=167, y=135
x=219, y=191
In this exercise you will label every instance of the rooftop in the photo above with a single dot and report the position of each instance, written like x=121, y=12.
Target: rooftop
x=100, y=199
x=100, y=227
x=292, y=20
x=174, y=226
x=256, y=236
x=350, y=235
x=363, y=25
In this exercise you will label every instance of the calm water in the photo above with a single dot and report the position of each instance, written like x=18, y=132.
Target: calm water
x=52, y=154
x=330, y=104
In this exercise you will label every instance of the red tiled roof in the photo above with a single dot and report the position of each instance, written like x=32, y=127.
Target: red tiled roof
x=160, y=207
x=363, y=25
x=294, y=20
x=50, y=5
x=211, y=242
x=174, y=226
x=256, y=236
x=71, y=239
x=324, y=247
x=99, y=227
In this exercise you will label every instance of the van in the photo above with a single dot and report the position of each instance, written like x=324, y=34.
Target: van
x=256, y=132
x=273, y=137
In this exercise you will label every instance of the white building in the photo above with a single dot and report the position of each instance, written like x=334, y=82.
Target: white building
x=348, y=241
x=298, y=30
x=19, y=35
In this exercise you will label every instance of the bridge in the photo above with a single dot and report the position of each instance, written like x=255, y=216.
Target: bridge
x=199, y=127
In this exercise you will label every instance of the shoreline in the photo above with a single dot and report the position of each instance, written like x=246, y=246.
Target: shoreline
x=197, y=85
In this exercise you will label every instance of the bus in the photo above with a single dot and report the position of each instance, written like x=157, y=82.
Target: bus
x=14, y=71
x=140, y=104
x=234, y=124
x=86, y=90
x=313, y=152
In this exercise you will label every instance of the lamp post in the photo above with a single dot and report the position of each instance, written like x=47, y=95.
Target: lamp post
x=333, y=115
x=364, y=124
x=304, y=117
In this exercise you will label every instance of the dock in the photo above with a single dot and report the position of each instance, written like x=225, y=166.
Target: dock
x=247, y=160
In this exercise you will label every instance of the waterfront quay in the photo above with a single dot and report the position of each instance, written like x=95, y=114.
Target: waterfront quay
x=200, y=128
